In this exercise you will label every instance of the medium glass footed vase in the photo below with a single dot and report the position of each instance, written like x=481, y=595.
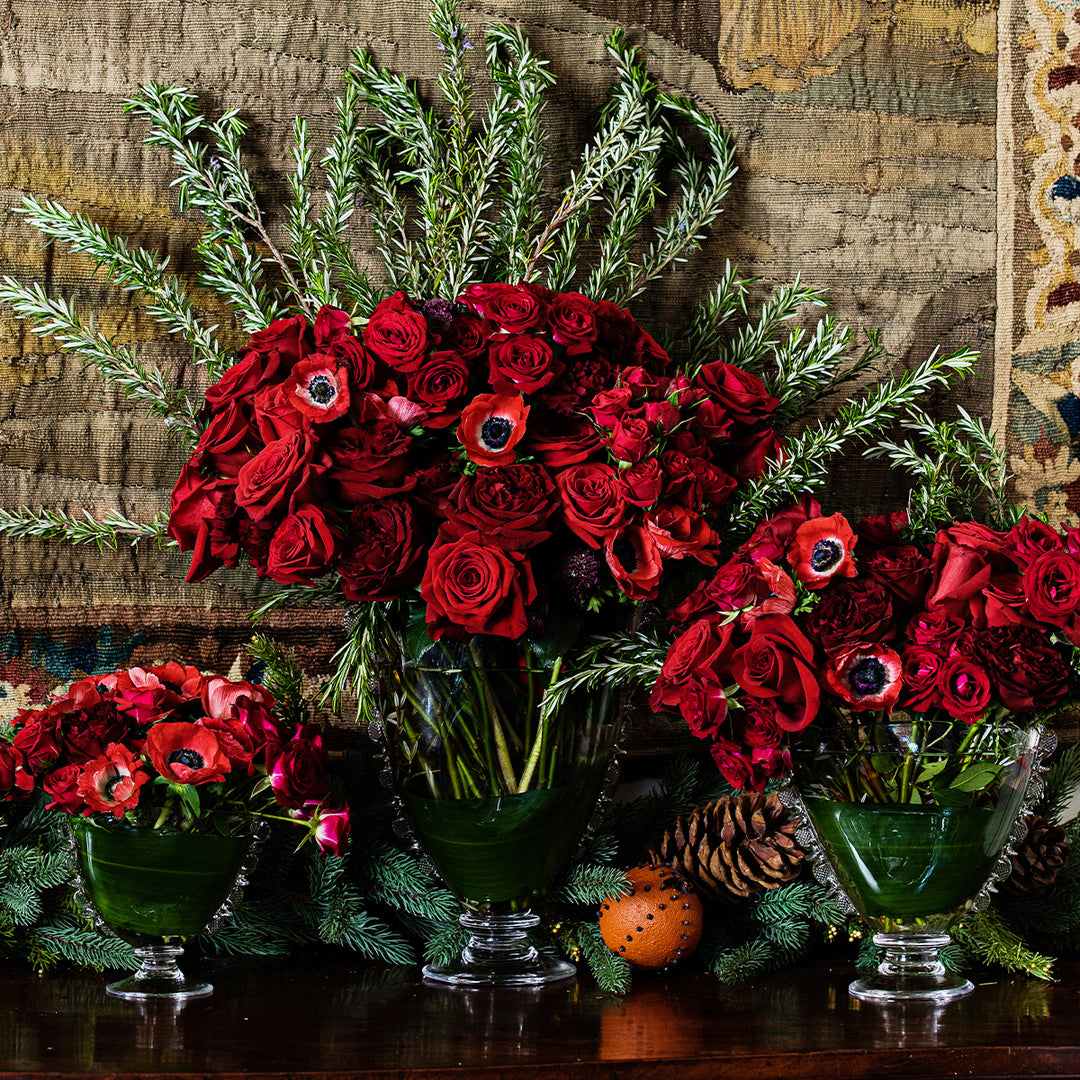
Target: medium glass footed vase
x=910, y=825
x=154, y=888
x=496, y=788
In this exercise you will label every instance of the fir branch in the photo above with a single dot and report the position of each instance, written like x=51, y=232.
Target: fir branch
x=394, y=878
x=26, y=523
x=1060, y=784
x=743, y=962
x=284, y=677
x=69, y=939
x=611, y=971
x=590, y=884
x=116, y=364
x=132, y=269
x=445, y=946
x=990, y=940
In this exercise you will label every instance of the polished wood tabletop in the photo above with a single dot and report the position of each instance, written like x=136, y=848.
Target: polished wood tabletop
x=321, y=1016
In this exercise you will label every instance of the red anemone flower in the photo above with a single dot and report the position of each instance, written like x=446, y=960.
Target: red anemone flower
x=187, y=753
x=865, y=676
x=491, y=426
x=821, y=550
x=111, y=783
x=318, y=388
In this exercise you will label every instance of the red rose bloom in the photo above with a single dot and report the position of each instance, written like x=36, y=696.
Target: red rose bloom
x=740, y=392
x=332, y=830
x=438, y=386
x=270, y=354
x=39, y=740
x=851, y=612
x=318, y=388
x=16, y=778
x=186, y=753
x=642, y=483
x=681, y=534
x=474, y=588
x=964, y=688
x=572, y=320
x=397, y=334
x=510, y=506
x=491, y=426
x=224, y=446
x=701, y=646
x=821, y=550
x=267, y=482
x=522, y=364
x=512, y=308
x=592, y=500
x=200, y=510
x=777, y=663
x=111, y=783
x=304, y=546
x=772, y=537
x=1052, y=588
x=921, y=667
x=556, y=441
x=298, y=774
x=370, y=461
x=467, y=337
x=1028, y=672
x=865, y=676
x=62, y=787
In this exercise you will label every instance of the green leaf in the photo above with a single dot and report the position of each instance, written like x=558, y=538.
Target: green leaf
x=976, y=777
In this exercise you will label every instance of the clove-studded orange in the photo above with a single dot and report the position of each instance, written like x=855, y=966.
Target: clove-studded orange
x=659, y=923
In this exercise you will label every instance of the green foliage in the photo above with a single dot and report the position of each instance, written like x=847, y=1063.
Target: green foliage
x=1060, y=784
x=990, y=940
x=283, y=677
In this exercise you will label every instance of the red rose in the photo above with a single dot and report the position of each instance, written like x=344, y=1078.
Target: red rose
x=491, y=426
x=758, y=728
x=631, y=439
x=777, y=663
x=270, y=355
x=331, y=325
x=39, y=740
x=298, y=775
x=16, y=778
x=198, y=503
x=865, y=676
x=964, y=560
x=557, y=441
x=772, y=537
x=1052, y=588
x=304, y=546
x=703, y=645
x=88, y=731
x=642, y=483
x=267, y=483
x=904, y=570
x=964, y=688
x=370, y=461
x=332, y=829
x=225, y=444
x=749, y=772
x=921, y=667
x=610, y=406
x=384, y=551
x=741, y=393
x=186, y=753
x=882, y=530
x=467, y=337
x=438, y=386
x=509, y=506
x=747, y=455
x=572, y=321
x=397, y=334
x=1029, y=538
x=275, y=416
x=635, y=562
x=477, y=589
x=522, y=364
x=681, y=534
x=62, y=787
x=318, y=388
x=703, y=705
x=850, y=612
x=934, y=629
x=111, y=783
x=512, y=308
x=713, y=421
x=593, y=503
x=821, y=549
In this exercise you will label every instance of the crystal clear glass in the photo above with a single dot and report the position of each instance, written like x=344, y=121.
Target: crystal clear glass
x=154, y=887
x=909, y=823
x=496, y=792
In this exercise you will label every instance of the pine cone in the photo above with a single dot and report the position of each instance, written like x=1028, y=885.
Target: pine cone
x=1039, y=858
x=733, y=847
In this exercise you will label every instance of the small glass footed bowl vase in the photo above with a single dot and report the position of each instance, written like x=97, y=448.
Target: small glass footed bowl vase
x=496, y=790
x=154, y=888
x=910, y=825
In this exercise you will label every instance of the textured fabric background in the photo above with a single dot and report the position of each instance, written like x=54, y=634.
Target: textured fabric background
x=867, y=146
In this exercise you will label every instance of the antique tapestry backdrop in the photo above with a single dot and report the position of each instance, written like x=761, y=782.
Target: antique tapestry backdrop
x=916, y=158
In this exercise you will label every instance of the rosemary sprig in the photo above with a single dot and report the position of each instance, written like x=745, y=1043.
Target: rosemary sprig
x=106, y=532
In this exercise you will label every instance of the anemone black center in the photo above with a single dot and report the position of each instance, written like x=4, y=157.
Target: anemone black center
x=321, y=390
x=825, y=554
x=496, y=432
x=186, y=756
x=625, y=554
x=112, y=784
x=868, y=676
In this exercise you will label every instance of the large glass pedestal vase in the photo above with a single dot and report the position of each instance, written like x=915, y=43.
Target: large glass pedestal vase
x=496, y=788
x=154, y=888
x=909, y=824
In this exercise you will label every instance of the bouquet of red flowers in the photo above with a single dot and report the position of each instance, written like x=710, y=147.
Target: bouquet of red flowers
x=813, y=618
x=170, y=745
x=490, y=460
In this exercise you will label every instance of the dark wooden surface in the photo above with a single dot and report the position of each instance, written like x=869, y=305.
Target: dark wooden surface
x=313, y=1018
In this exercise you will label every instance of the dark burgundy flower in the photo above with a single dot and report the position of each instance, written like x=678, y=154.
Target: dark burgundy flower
x=384, y=551
x=510, y=506
x=16, y=777
x=1029, y=673
x=298, y=774
x=851, y=611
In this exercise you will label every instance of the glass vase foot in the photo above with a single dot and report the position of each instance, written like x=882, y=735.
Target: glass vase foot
x=911, y=971
x=159, y=978
x=499, y=954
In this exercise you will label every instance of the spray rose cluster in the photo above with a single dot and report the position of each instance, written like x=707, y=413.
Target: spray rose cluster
x=813, y=616
x=170, y=745
x=488, y=458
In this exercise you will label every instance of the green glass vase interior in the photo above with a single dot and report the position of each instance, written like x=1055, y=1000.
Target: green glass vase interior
x=496, y=792
x=154, y=888
x=909, y=824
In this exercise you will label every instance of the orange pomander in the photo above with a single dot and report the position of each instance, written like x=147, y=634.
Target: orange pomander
x=658, y=924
